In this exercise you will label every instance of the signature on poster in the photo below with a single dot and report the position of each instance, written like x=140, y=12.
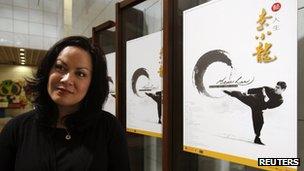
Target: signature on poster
x=228, y=82
x=148, y=87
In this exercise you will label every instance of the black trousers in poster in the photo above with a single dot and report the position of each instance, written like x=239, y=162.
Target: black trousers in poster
x=157, y=98
x=256, y=103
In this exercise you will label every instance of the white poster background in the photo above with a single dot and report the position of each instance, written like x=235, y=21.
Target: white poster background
x=224, y=124
x=110, y=104
x=144, y=52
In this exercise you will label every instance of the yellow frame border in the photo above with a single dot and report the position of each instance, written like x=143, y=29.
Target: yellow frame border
x=235, y=159
x=143, y=132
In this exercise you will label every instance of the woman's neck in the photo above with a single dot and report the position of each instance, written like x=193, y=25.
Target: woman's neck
x=64, y=111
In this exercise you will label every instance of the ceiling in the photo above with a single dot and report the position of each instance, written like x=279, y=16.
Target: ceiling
x=11, y=56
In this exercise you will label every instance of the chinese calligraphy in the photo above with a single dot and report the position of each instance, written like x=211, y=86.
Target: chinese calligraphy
x=263, y=49
x=263, y=53
x=160, y=69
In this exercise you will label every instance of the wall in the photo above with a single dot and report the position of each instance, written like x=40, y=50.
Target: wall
x=25, y=23
x=90, y=13
x=29, y=24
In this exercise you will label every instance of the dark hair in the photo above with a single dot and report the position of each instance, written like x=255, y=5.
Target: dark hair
x=98, y=89
x=282, y=84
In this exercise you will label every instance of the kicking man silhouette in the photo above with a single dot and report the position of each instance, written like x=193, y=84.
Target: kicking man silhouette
x=255, y=99
x=157, y=98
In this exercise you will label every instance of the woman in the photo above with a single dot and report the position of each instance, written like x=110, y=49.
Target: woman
x=67, y=130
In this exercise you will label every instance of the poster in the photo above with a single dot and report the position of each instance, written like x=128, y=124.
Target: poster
x=144, y=85
x=12, y=94
x=235, y=53
x=110, y=104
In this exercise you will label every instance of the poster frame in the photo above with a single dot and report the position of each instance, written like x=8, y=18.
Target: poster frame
x=232, y=158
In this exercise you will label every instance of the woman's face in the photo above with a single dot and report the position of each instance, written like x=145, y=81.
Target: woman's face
x=70, y=77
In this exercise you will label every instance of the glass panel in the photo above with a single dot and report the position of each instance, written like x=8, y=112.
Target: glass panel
x=141, y=20
x=106, y=41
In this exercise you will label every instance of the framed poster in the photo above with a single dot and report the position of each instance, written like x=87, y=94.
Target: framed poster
x=110, y=105
x=240, y=80
x=144, y=85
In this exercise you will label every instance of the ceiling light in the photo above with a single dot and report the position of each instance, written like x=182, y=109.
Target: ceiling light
x=21, y=54
x=22, y=57
x=22, y=60
x=21, y=50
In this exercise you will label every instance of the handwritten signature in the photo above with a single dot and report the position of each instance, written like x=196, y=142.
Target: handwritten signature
x=227, y=82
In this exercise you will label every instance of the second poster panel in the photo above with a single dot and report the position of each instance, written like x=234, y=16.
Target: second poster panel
x=144, y=85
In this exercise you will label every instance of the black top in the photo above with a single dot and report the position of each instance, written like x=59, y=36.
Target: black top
x=27, y=145
x=275, y=100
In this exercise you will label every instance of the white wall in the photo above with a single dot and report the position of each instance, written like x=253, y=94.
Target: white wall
x=91, y=13
x=25, y=23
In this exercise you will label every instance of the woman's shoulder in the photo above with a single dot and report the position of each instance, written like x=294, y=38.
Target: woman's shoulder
x=107, y=119
x=18, y=124
x=23, y=118
x=106, y=116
